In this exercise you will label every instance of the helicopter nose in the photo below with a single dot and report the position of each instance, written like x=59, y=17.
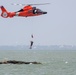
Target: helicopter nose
x=44, y=12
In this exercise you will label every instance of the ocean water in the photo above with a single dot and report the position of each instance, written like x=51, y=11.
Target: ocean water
x=58, y=62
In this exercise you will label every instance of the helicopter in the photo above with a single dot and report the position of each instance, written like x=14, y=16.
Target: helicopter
x=26, y=11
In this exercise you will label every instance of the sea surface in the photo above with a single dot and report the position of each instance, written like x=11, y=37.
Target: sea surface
x=54, y=62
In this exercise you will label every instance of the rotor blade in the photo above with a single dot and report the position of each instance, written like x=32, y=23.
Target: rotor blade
x=16, y=4
x=39, y=4
x=30, y=4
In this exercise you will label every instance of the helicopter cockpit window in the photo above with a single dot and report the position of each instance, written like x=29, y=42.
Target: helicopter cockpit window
x=35, y=11
x=39, y=11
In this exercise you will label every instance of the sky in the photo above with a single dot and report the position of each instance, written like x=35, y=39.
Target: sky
x=57, y=27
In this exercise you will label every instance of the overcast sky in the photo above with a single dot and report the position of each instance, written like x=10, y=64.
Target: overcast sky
x=57, y=27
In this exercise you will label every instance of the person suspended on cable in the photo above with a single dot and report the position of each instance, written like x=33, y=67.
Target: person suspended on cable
x=31, y=42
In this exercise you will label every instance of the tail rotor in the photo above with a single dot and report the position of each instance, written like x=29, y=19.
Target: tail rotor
x=4, y=12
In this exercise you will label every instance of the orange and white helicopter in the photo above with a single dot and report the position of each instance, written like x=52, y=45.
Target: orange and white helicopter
x=26, y=11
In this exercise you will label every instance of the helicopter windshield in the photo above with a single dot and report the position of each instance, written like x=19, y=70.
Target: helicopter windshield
x=39, y=11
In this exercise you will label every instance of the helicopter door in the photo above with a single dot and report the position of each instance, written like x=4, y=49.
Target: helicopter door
x=35, y=11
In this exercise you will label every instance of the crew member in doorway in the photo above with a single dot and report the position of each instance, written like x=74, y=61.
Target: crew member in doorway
x=31, y=42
